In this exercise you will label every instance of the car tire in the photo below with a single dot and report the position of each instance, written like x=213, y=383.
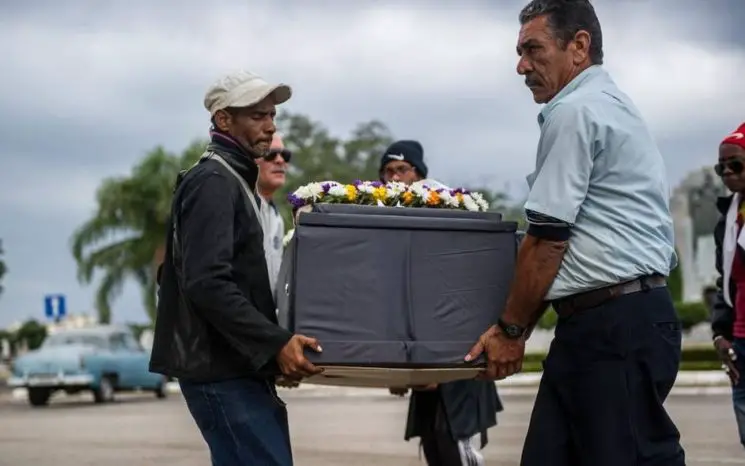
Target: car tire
x=104, y=393
x=39, y=396
x=161, y=391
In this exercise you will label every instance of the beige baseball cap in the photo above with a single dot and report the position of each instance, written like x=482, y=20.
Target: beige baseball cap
x=243, y=89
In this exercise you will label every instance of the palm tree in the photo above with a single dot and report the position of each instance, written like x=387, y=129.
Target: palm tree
x=125, y=236
x=3, y=267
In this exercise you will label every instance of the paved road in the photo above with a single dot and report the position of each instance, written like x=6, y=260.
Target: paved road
x=360, y=431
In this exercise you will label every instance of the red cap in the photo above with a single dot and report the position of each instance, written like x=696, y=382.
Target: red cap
x=737, y=138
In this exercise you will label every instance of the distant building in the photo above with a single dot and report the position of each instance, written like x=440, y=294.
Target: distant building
x=71, y=322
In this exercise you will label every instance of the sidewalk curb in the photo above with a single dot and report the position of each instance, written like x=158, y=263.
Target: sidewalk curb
x=688, y=383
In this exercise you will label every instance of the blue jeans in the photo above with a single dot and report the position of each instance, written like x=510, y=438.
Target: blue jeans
x=243, y=422
x=738, y=391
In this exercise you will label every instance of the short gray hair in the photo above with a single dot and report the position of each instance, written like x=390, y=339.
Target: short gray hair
x=566, y=18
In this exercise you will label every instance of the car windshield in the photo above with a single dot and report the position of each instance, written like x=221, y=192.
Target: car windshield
x=65, y=339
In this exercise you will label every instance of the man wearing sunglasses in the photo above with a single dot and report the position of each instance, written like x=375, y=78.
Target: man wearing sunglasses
x=272, y=171
x=728, y=311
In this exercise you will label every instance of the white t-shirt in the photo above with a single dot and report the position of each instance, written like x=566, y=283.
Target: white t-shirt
x=274, y=232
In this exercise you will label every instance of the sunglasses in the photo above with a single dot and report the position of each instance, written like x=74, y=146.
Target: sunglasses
x=735, y=166
x=273, y=153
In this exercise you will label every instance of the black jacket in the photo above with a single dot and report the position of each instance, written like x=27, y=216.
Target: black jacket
x=216, y=315
x=470, y=408
x=723, y=315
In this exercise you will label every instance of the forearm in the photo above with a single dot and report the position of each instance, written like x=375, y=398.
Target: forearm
x=722, y=316
x=538, y=262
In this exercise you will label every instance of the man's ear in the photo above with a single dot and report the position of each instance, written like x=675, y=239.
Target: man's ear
x=581, y=47
x=222, y=120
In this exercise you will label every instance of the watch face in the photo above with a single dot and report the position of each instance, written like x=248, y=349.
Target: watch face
x=512, y=331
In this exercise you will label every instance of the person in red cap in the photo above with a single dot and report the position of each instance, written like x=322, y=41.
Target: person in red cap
x=728, y=311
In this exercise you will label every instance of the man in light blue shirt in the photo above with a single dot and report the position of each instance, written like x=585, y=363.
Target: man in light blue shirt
x=599, y=170
x=598, y=249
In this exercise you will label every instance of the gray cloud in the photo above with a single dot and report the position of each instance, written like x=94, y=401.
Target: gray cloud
x=92, y=86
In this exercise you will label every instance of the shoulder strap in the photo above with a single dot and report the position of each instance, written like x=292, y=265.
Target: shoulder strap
x=247, y=191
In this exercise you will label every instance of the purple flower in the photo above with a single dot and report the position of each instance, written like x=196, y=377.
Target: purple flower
x=376, y=184
x=326, y=188
x=295, y=201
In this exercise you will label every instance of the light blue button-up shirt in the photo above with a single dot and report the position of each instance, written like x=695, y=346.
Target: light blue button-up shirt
x=598, y=169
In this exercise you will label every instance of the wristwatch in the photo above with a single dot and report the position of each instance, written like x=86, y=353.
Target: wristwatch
x=511, y=331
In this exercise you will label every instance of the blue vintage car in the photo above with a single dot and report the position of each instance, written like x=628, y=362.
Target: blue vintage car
x=102, y=359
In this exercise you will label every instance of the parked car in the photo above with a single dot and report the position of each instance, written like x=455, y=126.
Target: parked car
x=102, y=359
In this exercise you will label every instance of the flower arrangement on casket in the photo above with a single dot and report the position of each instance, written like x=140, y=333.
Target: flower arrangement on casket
x=392, y=194
x=425, y=193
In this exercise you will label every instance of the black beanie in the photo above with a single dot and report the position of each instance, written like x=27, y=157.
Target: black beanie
x=408, y=151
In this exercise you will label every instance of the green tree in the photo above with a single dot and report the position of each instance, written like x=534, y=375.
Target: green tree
x=124, y=237
x=32, y=332
x=3, y=267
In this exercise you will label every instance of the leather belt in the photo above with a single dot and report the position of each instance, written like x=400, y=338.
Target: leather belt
x=579, y=302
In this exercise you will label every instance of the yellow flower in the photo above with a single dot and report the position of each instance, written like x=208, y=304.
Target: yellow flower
x=459, y=196
x=407, y=197
x=379, y=194
x=351, y=192
x=433, y=199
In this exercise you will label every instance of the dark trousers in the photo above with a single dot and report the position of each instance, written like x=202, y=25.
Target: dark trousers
x=606, y=377
x=243, y=421
x=738, y=391
x=439, y=446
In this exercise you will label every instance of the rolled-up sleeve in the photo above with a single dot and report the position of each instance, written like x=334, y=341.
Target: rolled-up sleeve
x=567, y=150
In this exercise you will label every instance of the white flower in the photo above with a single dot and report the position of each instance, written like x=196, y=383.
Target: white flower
x=420, y=191
x=365, y=187
x=396, y=186
x=480, y=201
x=309, y=192
x=337, y=190
x=316, y=190
x=448, y=199
x=395, y=189
x=303, y=192
x=469, y=203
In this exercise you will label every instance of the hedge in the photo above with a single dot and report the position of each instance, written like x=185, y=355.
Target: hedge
x=692, y=313
x=694, y=358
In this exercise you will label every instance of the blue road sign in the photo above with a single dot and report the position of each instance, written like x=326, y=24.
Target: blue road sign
x=54, y=306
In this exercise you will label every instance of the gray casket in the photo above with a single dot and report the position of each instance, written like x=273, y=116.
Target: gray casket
x=395, y=288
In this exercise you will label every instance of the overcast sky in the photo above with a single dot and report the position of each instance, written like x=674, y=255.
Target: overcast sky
x=88, y=87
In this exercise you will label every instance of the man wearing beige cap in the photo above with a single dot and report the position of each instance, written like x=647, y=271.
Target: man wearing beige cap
x=216, y=328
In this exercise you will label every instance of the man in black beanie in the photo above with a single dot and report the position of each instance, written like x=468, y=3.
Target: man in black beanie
x=403, y=161
x=446, y=416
